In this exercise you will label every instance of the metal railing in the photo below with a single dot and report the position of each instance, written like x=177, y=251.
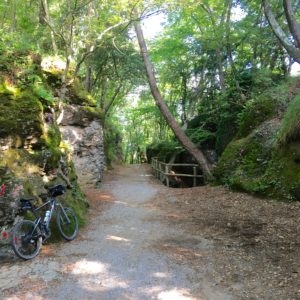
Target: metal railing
x=163, y=171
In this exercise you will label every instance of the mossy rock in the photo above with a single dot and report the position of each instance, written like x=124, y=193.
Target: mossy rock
x=78, y=95
x=52, y=140
x=283, y=173
x=256, y=112
x=254, y=164
x=30, y=144
x=20, y=161
x=93, y=113
x=290, y=129
x=21, y=116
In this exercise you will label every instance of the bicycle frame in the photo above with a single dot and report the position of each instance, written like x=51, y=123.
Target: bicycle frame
x=53, y=203
x=29, y=235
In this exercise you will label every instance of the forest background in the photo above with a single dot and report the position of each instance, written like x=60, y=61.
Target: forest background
x=223, y=68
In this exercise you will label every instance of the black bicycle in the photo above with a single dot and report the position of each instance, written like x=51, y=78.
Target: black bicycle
x=28, y=236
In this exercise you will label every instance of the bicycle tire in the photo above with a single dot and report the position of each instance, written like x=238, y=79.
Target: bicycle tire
x=25, y=244
x=68, y=230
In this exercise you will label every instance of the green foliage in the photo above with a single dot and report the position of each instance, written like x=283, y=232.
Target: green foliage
x=200, y=47
x=163, y=151
x=39, y=88
x=254, y=113
x=114, y=151
x=200, y=135
x=16, y=42
x=78, y=95
x=290, y=124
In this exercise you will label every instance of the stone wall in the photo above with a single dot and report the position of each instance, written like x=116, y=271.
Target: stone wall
x=85, y=137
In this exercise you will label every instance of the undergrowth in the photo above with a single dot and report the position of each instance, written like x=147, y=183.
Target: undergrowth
x=290, y=129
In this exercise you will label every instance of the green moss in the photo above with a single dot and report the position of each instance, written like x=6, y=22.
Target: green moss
x=52, y=140
x=20, y=116
x=255, y=112
x=24, y=95
x=283, y=173
x=241, y=164
x=229, y=160
x=28, y=188
x=76, y=200
x=93, y=112
x=253, y=165
x=53, y=77
x=41, y=90
x=78, y=95
x=290, y=129
x=19, y=161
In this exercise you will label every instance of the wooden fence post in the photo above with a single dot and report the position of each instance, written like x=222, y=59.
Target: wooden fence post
x=167, y=175
x=195, y=178
x=160, y=171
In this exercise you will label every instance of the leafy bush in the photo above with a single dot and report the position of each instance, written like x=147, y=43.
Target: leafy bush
x=199, y=135
x=162, y=150
x=39, y=88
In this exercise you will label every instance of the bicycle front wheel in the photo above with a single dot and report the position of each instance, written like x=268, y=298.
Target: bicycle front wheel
x=26, y=239
x=67, y=223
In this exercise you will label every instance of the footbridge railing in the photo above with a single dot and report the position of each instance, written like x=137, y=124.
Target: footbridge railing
x=163, y=171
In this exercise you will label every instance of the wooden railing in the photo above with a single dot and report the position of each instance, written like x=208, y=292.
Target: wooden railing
x=163, y=171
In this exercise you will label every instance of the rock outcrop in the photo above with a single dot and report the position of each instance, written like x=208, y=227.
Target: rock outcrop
x=264, y=156
x=44, y=139
x=84, y=134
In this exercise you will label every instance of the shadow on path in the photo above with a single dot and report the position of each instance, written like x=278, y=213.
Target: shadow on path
x=121, y=254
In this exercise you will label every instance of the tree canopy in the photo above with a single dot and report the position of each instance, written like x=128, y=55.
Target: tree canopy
x=211, y=58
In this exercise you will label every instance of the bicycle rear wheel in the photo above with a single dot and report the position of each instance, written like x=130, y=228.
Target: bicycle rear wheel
x=26, y=240
x=67, y=223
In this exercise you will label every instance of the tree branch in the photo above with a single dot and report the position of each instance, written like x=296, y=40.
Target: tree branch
x=280, y=34
x=293, y=24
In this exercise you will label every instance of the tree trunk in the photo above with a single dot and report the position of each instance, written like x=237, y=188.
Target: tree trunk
x=179, y=133
x=88, y=79
x=45, y=19
x=69, y=44
x=220, y=69
x=113, y=98
x=13, y=16
x=184, y=98
x=4, y=13
x=293, y=24
x=280, y=34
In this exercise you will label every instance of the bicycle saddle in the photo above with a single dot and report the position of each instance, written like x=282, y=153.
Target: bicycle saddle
x=56, y=190
x=26, y=203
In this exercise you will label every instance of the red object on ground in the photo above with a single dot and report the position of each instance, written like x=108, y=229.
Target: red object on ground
x=3, y=189
x=5, y=234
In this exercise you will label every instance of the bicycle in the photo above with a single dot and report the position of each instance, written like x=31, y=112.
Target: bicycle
x=28, y=236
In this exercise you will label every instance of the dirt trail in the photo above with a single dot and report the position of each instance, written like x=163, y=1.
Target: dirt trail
x=119, y=255
x=145, y=241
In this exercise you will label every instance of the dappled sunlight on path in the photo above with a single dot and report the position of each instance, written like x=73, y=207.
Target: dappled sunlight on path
x=123, y=253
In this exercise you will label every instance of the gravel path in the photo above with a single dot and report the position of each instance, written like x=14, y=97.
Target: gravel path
x=123, y=253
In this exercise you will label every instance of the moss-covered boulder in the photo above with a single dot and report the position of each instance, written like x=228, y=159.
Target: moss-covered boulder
x=264, y=157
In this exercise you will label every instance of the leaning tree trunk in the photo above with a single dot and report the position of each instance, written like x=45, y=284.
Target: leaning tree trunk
x=179, y=133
